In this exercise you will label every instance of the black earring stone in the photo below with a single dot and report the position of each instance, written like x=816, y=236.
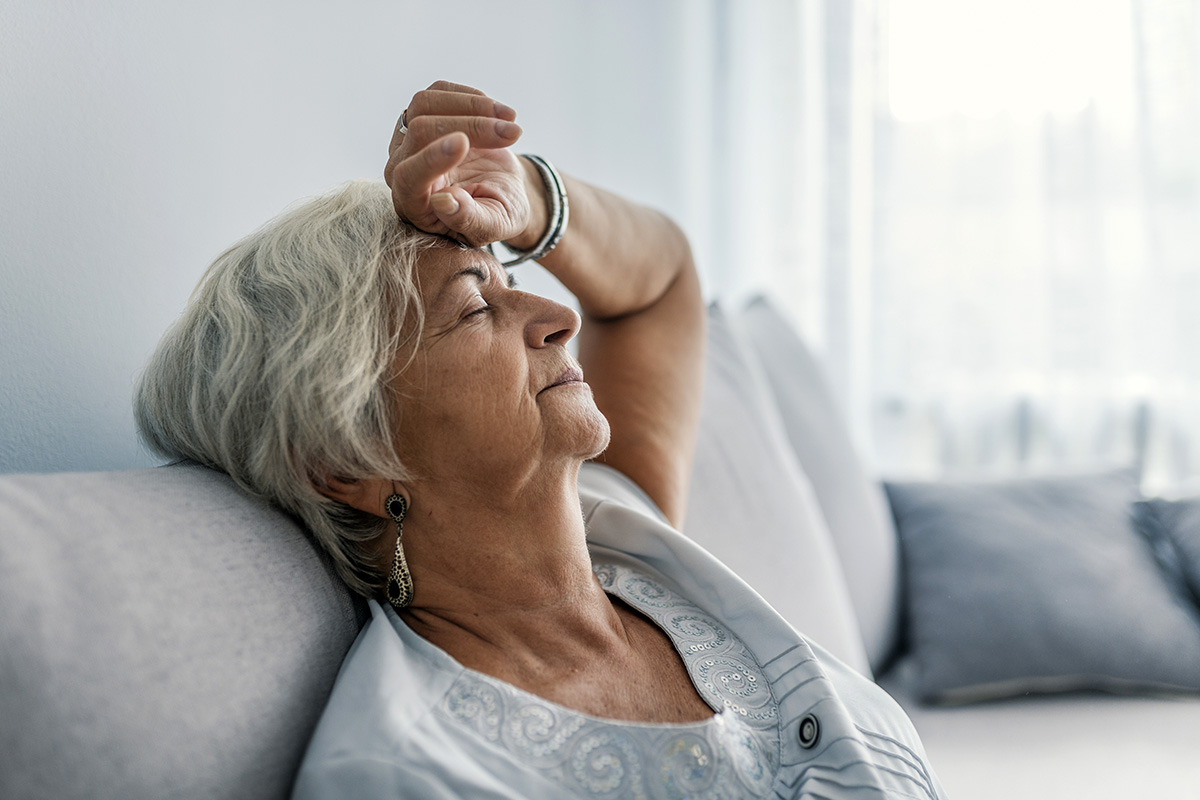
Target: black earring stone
x=397, y=507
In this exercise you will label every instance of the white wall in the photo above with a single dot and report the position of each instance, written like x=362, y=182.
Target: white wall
x=138, y=139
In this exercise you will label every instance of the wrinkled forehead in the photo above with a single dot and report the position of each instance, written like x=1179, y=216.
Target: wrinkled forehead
x=435, y=271
x=446, y=260
x=440, y=268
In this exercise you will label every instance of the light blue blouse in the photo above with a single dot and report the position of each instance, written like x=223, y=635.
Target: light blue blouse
x=406, y=720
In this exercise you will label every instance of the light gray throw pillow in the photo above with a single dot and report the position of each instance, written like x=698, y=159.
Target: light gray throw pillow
x=1038, y=585
x=1173, y=527
x=163, y=635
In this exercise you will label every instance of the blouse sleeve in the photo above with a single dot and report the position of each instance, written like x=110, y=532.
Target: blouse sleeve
x=373, y=778
x=366, y=778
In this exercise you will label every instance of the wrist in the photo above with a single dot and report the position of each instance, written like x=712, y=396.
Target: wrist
x=556, y=212
x=539, y=208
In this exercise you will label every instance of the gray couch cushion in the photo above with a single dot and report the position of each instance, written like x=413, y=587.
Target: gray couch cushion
x=751, y=505
x=853, y=503
x=164, y=635
x=1038, y=585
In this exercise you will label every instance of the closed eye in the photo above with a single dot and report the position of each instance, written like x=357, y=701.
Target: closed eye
x=483, y=307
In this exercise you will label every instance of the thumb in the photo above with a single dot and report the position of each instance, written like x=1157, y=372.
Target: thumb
x=446, y=206
x=459, y=212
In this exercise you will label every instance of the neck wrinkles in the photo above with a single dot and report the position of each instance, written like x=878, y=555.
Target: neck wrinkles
x=508, y=576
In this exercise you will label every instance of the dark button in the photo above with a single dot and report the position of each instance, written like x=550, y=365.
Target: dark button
x=810, y=731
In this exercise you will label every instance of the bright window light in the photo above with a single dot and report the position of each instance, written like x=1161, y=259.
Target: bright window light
x=1020, y=57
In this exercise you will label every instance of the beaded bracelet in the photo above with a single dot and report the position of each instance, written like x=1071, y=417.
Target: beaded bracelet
x=556, y=192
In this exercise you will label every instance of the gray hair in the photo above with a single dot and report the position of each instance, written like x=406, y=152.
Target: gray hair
x=278, y=372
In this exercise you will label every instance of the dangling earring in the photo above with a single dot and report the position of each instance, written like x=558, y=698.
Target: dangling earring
x=399, y=585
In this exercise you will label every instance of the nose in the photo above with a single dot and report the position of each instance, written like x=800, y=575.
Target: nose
x=549, y=322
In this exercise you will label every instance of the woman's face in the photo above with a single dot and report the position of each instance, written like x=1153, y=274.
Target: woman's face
x=493, y=393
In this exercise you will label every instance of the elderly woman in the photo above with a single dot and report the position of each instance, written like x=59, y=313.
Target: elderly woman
x=366, y=363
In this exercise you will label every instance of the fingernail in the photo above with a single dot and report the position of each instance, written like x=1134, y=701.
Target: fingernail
x=444, y=203
x=504, y=112
x=449, y=145
x=507, y=130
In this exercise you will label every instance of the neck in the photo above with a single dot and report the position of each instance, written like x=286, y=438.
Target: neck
x=505, y=575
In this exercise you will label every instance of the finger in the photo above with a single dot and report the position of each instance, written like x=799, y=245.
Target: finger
x=447, y=86
x=484, y=132
x=394, y=148
x=413, y=179
x=457, y=104
x=463, y=215
x=445, y=89
x=451, y=206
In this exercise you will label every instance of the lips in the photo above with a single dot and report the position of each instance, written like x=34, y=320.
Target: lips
x=571, y=375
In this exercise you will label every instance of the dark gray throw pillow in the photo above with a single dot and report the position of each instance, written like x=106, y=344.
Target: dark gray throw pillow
x=1173, y=526
x=1037, y=585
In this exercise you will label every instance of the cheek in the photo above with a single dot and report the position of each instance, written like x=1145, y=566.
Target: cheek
x=472, y=401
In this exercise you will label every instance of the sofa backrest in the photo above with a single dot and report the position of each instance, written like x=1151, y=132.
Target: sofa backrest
x=751, y=505
x=164, y=634
x=852, y=501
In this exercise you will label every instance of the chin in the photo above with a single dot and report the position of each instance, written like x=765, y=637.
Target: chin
x=580, y=432
x=603, y=434
x=592, y=436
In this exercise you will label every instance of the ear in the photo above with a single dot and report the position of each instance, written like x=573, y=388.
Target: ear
x=367, y=494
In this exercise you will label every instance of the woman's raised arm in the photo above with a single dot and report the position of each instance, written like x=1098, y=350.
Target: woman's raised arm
x=642, y=340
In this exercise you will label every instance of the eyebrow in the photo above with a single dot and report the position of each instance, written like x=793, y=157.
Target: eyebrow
x=471, y=271
x=478, y=273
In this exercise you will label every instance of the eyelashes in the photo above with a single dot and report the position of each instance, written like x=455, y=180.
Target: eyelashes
x=487, y=307
x=482, y=310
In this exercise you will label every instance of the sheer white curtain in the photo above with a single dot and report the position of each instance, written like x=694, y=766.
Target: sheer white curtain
x=782, y=96
x=984, y=216
x=1037, y=258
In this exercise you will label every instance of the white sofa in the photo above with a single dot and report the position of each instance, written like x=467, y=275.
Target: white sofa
x=166, y=635
x=964, y=606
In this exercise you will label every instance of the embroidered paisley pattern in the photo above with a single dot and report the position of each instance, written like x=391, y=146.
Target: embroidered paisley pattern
x=642, y=592
x=539, y=731
x=477, y=706
x=731, y=755
x=700, y=633
x=606, y=762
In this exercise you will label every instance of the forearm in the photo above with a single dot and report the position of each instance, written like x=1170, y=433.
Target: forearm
x=617, y=257
x=642, y=342
x=452, y=171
